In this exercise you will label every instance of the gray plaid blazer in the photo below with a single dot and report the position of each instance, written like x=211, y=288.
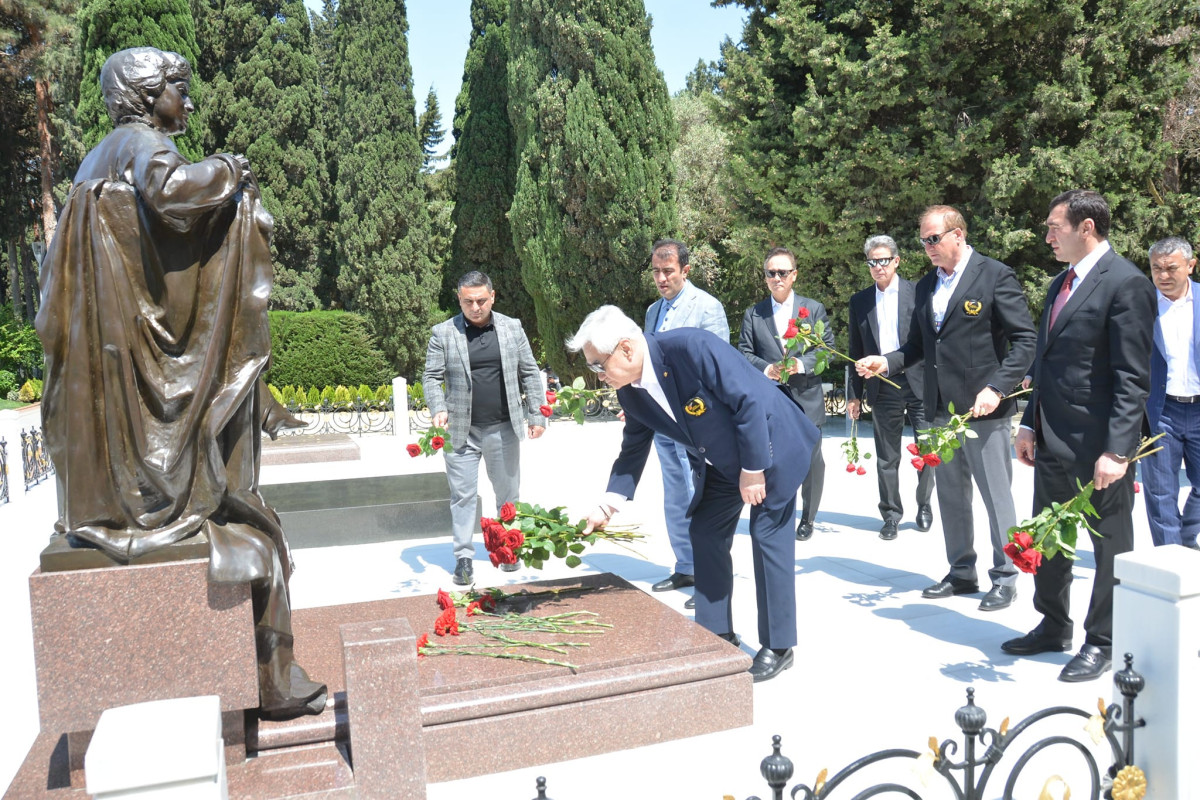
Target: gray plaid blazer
x=447, y=361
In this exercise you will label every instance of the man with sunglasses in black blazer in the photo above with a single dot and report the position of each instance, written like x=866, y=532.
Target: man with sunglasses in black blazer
x=977, y=340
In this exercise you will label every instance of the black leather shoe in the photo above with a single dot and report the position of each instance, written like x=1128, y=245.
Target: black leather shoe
x=947, y=587
x=1034, y=642
x=998, y=597
x=676, y=580
x=769, y=663
x=924, y=517
x=804, y=531
x=732, y=638
x=1087, y=665
x=464, y=573
x=888, y=531
x=691, y=602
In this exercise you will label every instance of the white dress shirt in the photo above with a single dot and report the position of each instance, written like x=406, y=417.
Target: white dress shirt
x=946, y=283
x=1175, y=320
x=887, y=313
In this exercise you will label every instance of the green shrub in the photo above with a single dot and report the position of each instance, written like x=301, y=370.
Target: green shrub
x=327, y=396
x=313, y=400
x=364, y=395
x=383, y=395
x=341, y=397
x=275, y=393
x=287, y=397
x=8, y=382
x=416, y=396
x=31, y=391
x=318, y=348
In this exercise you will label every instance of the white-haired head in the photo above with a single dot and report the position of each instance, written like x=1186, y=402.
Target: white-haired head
x=604, y=329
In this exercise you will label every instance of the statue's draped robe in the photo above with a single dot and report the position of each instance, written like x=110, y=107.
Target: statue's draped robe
x=154, y=322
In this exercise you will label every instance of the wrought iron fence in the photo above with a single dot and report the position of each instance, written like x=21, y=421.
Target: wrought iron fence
x=604, y=406
x=3, y=471
x=35, y=461
x=357, y=418
x=982, y=750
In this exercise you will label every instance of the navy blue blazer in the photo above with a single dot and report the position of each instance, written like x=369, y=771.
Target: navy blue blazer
x=1158, y=364
x=728, y=415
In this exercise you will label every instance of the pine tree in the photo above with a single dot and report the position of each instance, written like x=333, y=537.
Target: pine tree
x=847, y=120
x=594, y=133
x=265, y=102
x=485, y=168
x=386, y=270
x=430, y=132
x=325, y=53
x=106, y=26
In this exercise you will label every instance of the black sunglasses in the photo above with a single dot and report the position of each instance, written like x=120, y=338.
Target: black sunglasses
x=779, y=273
x=930, y=241
x=881, y=262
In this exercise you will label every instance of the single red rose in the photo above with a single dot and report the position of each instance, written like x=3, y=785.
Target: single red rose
x=1028, y=561
x=1023, y=540
x=792, y=331
x=443, y=599
x=546, y=411
x=861, y=470
x=849, y=468
x=508, y=512
x=914, y=449
x=494, y=556
x=932, y=459
x=414, y=450
x=504, y=555
x=514, y=539
x=490, y=540
x=919, y=463
x=802, y=313
x=437, y=442
x=1011, y=550
x=551, y=396
x=472, y=608
x=422, y=643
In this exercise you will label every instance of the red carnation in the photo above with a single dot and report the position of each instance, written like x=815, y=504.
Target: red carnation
x=546, y=411
x=919, y=463
x=849, y=468
x=414, y=450
x=422, y=643
x=551, y=397
x=437, y=442
x=508, y=512
x=792, y=331
x=446, y=623
x=914, y=449
x=932, y=459
x=861, y=470
x=443, y=599
x=472, y=608
x=487, y=602
x=802, y=313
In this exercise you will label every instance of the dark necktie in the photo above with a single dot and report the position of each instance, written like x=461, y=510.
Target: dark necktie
x=1063, y=295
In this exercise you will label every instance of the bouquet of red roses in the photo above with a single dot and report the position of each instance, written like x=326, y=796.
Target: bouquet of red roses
x=572, y=400
x=435, y=439
x=534, y=534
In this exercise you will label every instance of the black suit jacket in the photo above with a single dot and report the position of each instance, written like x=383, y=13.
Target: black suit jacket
x=864, y=337
x=1092, y=373
x=987, y=338
x=759, y=342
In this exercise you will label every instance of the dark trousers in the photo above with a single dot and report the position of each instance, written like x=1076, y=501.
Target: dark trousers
x=814, y=484
x=1054, y=481
x=892, y=406
x=714, y=521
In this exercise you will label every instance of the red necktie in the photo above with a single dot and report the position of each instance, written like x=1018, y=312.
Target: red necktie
x=1063, y=294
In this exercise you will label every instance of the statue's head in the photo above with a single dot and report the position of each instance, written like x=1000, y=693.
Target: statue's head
x=145, y=84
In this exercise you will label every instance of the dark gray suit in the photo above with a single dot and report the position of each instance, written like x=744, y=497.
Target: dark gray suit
x=889, y=405
x=759, y=342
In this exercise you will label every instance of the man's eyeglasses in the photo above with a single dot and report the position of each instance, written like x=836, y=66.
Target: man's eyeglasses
x=875, y=263
x=779, y=273
x=598, y=366
x=930, y=241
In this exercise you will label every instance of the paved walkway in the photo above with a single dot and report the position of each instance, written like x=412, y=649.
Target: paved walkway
x=877, y=666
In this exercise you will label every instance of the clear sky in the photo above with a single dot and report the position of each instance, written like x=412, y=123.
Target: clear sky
x=683, y=32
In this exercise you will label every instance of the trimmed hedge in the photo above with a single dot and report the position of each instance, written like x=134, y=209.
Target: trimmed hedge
x=325, y=348
x=297, y=398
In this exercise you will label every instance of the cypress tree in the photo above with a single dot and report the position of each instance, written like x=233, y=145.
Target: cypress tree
x=847, y=121
x=106, y=26
x=265, y=102
x=594, y=134
x=485, y=168
x=430, y=132
x=386, y=269
x=325, y=53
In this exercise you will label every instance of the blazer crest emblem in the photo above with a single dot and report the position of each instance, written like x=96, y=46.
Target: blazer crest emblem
x=972, y=307
x=695, y=407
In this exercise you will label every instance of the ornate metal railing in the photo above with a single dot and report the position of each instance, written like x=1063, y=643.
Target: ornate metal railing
x=357, y=418
x=3, y=471
x=604, y=406
x=982, y=750
x=35, y=461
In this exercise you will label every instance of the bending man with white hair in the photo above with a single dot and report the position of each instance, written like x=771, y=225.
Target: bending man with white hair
x=747, y=443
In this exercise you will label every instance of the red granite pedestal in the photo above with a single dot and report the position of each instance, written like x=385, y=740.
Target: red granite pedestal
x=389, y=709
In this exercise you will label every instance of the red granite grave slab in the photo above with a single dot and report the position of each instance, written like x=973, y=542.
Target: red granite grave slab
x=101, y=638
